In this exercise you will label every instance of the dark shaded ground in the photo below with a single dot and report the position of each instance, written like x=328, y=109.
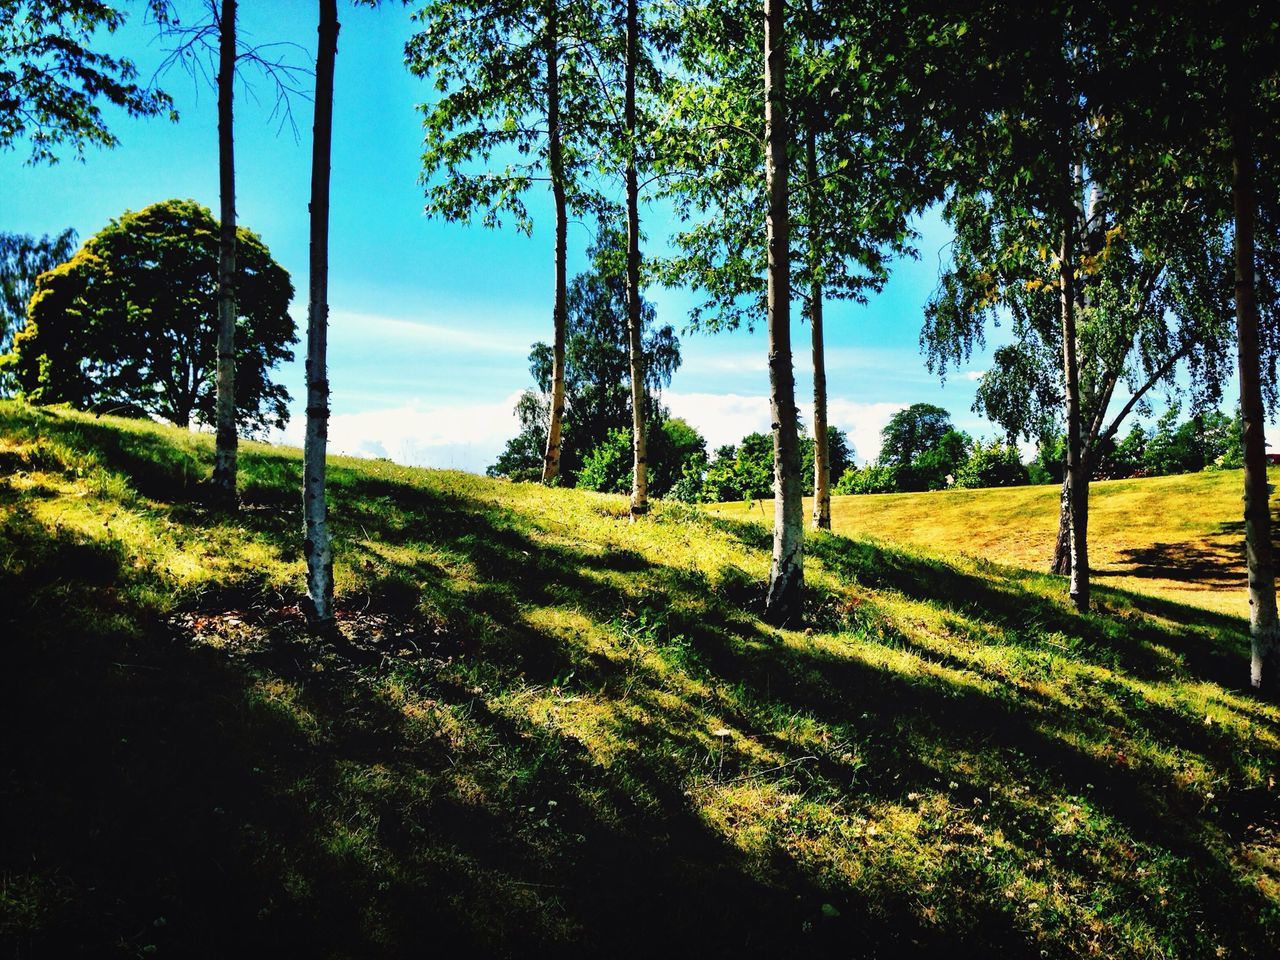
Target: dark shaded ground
x=211, y=781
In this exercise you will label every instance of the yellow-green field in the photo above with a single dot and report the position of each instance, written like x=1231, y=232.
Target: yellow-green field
x=1180, y=538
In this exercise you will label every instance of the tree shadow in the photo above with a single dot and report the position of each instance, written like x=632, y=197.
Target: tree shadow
x=221, y=783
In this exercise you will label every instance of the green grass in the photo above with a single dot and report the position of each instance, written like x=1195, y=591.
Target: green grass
x=547, y=731
x=1180, y=538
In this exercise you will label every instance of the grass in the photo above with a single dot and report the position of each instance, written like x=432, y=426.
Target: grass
x=547, y=731
x=1180, y=538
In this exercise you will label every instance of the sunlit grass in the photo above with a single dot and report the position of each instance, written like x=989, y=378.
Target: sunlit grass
x=1180, y=538
x=549, y=726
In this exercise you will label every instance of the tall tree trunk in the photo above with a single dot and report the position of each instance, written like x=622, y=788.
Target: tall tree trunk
x=639, y=443
x=555, y=165
x=317, y=546
x=1264, y=629
x=783, y=604
x=1077, y=479
x=224, y=457
x=821, y=449
x=1061, y=564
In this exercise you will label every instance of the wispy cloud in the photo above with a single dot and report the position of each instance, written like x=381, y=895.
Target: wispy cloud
x=467, y=333
x=457, y=436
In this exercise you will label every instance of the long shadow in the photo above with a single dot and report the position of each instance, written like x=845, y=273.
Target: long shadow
x=167, y=800
x=199, y=803
x=1214, y=562
x=1031, y=619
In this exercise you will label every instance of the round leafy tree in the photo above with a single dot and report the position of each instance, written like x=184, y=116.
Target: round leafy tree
x=127, y=325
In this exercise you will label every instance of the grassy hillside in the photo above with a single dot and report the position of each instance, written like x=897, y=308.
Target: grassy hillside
x=549, y=732
x=1180, y=538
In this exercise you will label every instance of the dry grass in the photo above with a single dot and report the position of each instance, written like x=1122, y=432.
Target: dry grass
x=1179, y=538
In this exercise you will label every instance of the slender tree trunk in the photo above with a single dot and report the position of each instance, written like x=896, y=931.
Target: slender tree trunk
x=1077, y=479
x=555, y=165
x=224, y=458
x=783, y=605
x=317, y=546
x=1264, y=629
x=1062, y=547
x=639, y=443
x=821, y=450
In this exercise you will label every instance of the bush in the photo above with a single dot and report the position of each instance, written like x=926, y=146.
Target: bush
x=992, y=465
x=607, y=468
x=875, y=479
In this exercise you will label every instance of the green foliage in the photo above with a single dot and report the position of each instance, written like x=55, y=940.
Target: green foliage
x=607, y=468
x=676, y=450
x=485, y=132
x=839, y=457
x=850, y=218
x=22, y=259
x=597, y=371
x=873, y=478
x=993, y=464
x=936, y=467
x=911, y=432
x=126, y=325
x=54, y=83
x=521, y=459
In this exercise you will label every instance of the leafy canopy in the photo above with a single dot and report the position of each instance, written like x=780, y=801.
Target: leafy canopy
x=22, y=259
x=126, y=325
x=597, y=370
x=52, y=84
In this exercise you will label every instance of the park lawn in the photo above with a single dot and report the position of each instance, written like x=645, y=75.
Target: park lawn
x=1180, y=538
x=546, y=731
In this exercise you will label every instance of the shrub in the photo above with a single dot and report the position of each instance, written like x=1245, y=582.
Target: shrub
x=992, y=465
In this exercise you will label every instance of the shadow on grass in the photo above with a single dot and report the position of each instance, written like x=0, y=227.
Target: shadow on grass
x=1216, y=562
x=180, y=796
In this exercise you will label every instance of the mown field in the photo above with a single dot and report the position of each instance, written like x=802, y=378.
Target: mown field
x=1180, y=538
x=546, y=731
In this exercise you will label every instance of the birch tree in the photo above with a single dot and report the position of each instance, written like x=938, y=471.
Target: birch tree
x=317, y=545
x=209, y=49
x=517, y=104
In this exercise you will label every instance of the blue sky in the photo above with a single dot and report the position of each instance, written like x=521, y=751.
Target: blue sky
x=432, y=322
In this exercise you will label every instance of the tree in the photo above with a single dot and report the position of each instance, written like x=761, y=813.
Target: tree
x=597, y=367
x=216, y=37
x=126, y=325
x=911, y=432
x=515, y=84
x=852, y=179
x=993, y=464
x=317, y=546
x=1205, y=109
x=1038, y=193
x=22, y=259
x=839, y=458
x=224, y=459
x=54, y=83
x=675, y=447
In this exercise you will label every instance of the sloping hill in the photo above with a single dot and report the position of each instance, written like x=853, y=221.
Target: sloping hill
x=1180, y=538
x=549, y=732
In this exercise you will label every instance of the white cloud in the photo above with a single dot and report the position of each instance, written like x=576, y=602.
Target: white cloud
x=861, y=421
x=368, y=327
x=720, y=417
x=974, y=375
x=457, y=436
x=727, y=418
